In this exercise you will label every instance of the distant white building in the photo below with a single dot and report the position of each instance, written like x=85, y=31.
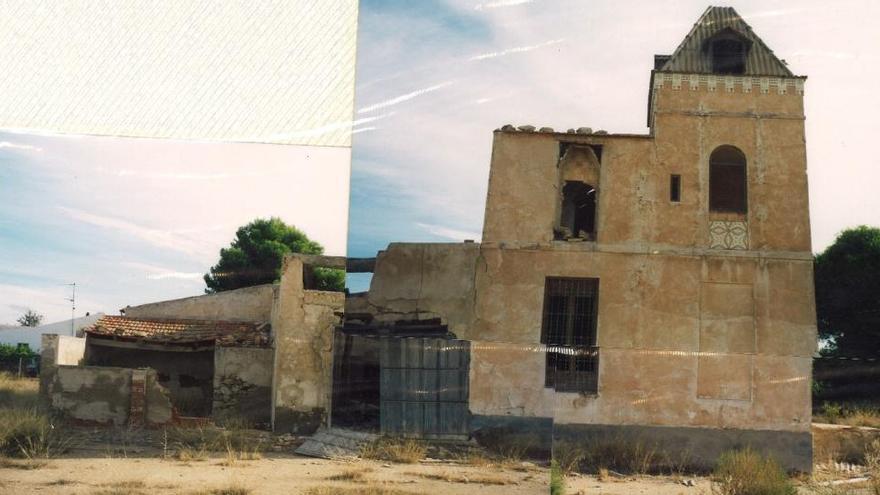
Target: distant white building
x=31, y=335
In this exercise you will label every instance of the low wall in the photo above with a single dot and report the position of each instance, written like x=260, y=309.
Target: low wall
x=108, y=396
x=98, y=394
x=243, y=383
x=246, y=304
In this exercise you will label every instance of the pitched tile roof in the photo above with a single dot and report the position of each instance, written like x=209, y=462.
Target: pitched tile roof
x=173, y=331
x=690, y=57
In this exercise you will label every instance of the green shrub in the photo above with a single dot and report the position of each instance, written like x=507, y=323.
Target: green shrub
x=557, y=480
x=831, y=412
x=746, y=472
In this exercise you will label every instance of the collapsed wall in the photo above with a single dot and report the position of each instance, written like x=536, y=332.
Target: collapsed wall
x=99, y=395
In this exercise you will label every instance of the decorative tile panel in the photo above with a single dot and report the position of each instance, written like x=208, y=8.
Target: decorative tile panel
x=728, y=235
x=745, y=84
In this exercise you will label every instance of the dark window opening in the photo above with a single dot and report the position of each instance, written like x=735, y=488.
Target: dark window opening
x=675, y=188
x=727, y=180
x=569, y=332
x=578, y=211
x=728, y=56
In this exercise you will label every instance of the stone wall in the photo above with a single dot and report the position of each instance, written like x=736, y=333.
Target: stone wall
x=303, y=323
x=246, y=304
x=243, y=384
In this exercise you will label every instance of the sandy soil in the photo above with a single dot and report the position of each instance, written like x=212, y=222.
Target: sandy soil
x=290, y=474
x=274, y=474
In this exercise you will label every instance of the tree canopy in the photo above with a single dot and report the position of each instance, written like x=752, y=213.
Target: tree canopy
x=30, y=318
x=847, y=277
x=256, y=254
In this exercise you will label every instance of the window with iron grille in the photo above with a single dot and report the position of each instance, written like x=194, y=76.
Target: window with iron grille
x=569, y=332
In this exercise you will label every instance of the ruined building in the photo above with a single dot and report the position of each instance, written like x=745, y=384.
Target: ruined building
x=656, y=287
x=653, y=286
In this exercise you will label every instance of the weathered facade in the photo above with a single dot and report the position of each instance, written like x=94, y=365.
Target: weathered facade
x=259, y=353
x=656, y=286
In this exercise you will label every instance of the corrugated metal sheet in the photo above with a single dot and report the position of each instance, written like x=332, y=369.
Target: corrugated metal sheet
x=690, y=57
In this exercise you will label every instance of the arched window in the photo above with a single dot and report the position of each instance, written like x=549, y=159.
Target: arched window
x=727, y=50
x=727, y=180
x=579, y=209
x=728, y=56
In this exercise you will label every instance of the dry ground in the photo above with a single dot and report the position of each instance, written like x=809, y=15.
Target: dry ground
x=109, y=462
x=273, y=474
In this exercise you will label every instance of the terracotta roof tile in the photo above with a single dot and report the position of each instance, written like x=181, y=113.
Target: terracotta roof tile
x=174, y=331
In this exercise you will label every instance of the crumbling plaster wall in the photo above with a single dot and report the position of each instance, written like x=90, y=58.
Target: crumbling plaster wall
x=722, y=341
x=303, y=323
x=245, y=304
x=675, y=346
x=423, y=281
x=243, y=383
x=634, y=211
x=95, y=394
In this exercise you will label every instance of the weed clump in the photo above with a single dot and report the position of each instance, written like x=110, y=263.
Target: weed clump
x=400, y=450
x=746, y=472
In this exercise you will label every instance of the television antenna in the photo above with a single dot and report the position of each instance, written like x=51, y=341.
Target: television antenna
x=72, y=308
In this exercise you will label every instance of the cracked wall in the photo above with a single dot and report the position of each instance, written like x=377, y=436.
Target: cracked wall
x=96, y=394
x=689, y=335
x=243, y=383
x=303, y=322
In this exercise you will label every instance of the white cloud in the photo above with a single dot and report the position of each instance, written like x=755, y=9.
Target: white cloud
x=500, y=3
x=159, y=238
x=17, y=146
x=449, y=233
x=405, y=97
x=154, y=272
x=519, y=49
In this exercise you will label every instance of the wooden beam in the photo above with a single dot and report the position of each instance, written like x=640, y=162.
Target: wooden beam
x=360, y=265
x=124, y=344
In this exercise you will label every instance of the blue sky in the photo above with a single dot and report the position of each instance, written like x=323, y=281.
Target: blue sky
x=139, y=220
x=435, y=78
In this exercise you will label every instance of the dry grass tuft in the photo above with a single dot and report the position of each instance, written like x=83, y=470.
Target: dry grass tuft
x=352, y=475
x=477, y=479
x=25, y=464
x=400, y=450
x=745, y=472
x=228, y=490
x=25, y=430
x=852, y=415
x=361, y=490
x=872, y=462
x=619, y=454
x=61, y=482
x=236, y=440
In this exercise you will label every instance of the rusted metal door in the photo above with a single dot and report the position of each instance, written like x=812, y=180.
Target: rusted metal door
x=424, y=387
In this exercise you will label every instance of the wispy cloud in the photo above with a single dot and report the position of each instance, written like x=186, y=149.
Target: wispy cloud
x=364, y=129
x=519, y=49
x=154, y=272
x=317, y=131
x=160, y=238
x=17, y=146
x=405, y=97
x=500, y=3
x=448, y=233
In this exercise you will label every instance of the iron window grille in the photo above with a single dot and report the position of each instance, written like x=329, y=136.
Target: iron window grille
x=569, y=331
